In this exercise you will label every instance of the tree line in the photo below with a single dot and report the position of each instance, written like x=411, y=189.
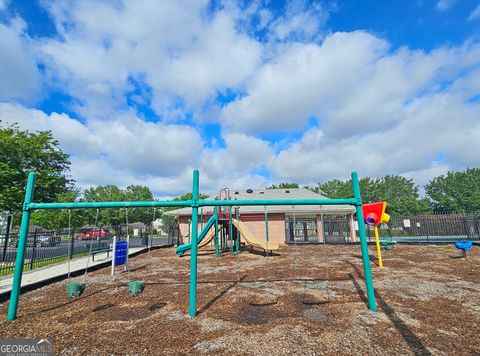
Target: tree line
x=454, y=192
x=24, y=151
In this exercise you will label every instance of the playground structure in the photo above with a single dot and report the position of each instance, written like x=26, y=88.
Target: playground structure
x=374, y=214
x=194, y=203
x=220, y=229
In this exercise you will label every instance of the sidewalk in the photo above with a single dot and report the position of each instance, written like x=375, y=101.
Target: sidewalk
x=40, y=276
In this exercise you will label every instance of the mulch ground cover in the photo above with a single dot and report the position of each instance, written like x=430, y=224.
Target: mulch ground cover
x=428, y=303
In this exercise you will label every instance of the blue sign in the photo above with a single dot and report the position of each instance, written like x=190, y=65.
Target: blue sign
x=120, y=253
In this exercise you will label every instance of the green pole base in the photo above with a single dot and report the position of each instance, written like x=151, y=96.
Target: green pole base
x=75, y=290
x=135, y=288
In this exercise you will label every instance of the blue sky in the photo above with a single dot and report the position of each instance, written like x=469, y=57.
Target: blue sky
x=250, y=93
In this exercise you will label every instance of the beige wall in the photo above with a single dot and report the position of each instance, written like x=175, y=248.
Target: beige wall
x=276, y=227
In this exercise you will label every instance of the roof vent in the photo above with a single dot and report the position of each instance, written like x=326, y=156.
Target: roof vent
x=287, y=191
x=236, y=192
x=249, y=191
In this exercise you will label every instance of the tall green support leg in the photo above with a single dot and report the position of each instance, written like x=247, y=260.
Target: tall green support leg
x=194, y=247
x=230, y=233
x=22, y=244
x=372, y=304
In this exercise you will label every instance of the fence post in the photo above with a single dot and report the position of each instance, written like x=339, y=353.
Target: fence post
x=34, y=248
x=7, y=234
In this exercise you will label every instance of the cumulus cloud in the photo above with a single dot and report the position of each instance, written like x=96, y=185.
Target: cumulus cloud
x=440, y=123
x=351, y=82
x=19, y=75
x=181, y=53
x=126, y=144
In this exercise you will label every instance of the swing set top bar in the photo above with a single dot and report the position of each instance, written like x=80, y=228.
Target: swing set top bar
x=189, y=203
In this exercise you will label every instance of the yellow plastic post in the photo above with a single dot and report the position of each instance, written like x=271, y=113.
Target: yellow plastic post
x=377, y=242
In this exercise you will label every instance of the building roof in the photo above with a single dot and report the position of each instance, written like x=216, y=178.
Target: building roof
x=262, y=194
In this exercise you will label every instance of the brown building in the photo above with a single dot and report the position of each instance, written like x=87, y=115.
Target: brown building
x=286, y=224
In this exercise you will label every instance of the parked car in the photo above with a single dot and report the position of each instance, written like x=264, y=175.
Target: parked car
x=95, y=234
x=42, y=240
x=48, y=240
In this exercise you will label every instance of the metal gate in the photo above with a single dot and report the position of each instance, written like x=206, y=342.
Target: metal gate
x=336, y=229
x=301, y=230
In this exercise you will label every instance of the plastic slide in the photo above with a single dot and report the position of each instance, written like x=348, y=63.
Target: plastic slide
x=205, y=236
x=251, y=239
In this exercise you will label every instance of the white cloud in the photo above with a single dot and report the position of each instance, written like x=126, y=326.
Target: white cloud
x=475, y=14
x=20, y=78
x=437, y=124
x=124, y=148
x=302, y=21
x=443, y=5
x=173, y=47
x=351, y=82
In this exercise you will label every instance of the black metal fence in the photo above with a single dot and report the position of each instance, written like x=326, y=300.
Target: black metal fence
x=49, y=247
x=432, y=228
x=425, y=228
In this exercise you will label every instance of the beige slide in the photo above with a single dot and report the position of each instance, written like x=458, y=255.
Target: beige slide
x=206, y=240
x=251, y=239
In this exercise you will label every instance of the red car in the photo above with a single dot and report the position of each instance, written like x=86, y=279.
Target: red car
x=95, y=234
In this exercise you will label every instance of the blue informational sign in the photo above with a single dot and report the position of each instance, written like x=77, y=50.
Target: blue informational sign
x=120, y=253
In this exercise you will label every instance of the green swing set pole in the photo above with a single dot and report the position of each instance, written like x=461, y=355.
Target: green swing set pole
x=215, y=211
x=372, y=304
x=230, y=233
x=22, y=244
x=194, y=247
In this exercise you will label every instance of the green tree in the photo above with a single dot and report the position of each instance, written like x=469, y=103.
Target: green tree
x=334, y=189
x=115, y=217
x=455, y=191
x=22, y=152
x=57, y=219
x=111, y=217
x=283, y=186
x=167, y=219
x=137, y=193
